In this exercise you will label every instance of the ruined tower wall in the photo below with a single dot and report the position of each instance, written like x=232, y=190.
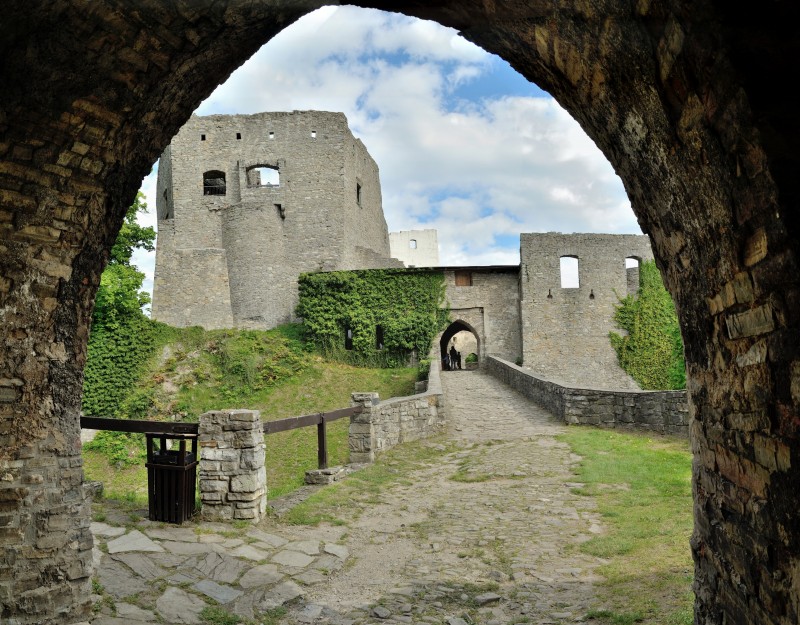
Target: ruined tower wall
x=363, y=212
x=248, y=244
x=565, y=330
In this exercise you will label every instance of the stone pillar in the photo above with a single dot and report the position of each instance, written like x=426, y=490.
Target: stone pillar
x=233, y=478
x=362, y=439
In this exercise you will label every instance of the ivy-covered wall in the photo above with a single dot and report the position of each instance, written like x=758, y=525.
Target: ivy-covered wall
x=652, y=351
x=116, y=359
x=376, y=316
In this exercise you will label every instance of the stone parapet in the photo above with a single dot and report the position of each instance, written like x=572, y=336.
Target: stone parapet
x=233, y=478
x=383, y=424
x=666, y=412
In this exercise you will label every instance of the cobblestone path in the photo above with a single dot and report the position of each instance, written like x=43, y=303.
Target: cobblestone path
x=487, y=534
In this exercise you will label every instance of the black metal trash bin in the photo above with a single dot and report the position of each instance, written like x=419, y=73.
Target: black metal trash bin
x=171, y=477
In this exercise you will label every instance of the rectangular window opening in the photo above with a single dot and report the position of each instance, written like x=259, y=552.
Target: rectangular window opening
x=313, y=134
x=570, y=273
x=463, y=278
x=358, y=194
x=238, y=135
x=281, y=211
x=202, y=137
x=271, y=135
x=348, y=338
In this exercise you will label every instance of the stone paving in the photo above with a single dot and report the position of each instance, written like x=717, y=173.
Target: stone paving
x=486, y=534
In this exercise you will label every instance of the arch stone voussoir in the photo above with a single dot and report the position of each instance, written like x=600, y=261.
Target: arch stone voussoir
x=687, y=100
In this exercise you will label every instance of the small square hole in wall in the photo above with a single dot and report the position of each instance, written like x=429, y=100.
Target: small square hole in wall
x=463, y=278
x=313, y=134
x=202, y=137
x=238, y=135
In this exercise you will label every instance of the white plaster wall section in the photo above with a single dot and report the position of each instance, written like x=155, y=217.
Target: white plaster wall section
x=415, y=248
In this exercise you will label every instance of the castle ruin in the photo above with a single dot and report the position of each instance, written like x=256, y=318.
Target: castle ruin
x=246, y=203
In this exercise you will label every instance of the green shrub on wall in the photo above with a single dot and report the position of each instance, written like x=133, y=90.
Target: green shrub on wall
x=652, y=351
x=389, y=313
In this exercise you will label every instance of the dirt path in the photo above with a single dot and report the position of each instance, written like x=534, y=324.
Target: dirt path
x=491, y=529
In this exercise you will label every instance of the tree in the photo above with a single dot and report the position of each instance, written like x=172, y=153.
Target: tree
x=120, y=294
x=122, y=337
x=132, y=236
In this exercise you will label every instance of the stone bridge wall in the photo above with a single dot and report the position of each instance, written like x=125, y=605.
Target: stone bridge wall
x=384, y=424
x=666, y=412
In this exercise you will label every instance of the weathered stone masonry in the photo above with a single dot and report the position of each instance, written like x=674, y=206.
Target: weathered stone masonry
x=565, y=330
x=523, y=313
x=229, y=252
x=233, y=477
x=687, y=99
x=383, y=424
x=665, y=412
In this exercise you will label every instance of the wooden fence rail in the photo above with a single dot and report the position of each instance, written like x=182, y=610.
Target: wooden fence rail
x=270, y=427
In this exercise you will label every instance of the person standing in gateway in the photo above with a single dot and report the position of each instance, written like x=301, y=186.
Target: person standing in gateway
x=454, y=359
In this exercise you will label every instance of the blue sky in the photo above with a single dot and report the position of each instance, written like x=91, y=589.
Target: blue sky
x=464, y=144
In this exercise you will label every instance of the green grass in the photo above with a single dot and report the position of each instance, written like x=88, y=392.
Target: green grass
x=217, y=615
x=642, y=485
x=265, y=371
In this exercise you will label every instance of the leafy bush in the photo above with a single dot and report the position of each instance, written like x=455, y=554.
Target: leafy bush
x=123, y=449
x=652, y=351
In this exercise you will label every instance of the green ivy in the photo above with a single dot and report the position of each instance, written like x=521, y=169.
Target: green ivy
x=116, y=358
x=406, y=304
x=652, y=351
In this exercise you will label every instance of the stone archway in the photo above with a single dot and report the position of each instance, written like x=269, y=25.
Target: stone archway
x=458, y=327
x=685, y=98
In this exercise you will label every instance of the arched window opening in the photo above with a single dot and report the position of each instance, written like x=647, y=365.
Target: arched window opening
x=378, y=337
x=412, y=244
x=633, y=276
x=569, y=272
x=214, y=182
x=263, y=176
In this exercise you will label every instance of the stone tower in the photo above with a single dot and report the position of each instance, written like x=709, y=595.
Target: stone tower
x=246, y=203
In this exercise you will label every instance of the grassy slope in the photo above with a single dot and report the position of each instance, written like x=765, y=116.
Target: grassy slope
x=266, y=371
x=643, y=488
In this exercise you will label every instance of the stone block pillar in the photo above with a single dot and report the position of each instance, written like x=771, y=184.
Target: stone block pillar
x=233, y=478
x=362, y=438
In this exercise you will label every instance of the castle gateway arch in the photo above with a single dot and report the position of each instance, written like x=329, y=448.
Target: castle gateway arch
x=686, y=98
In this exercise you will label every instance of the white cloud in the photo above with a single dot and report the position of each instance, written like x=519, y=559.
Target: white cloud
x=480, y=169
